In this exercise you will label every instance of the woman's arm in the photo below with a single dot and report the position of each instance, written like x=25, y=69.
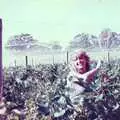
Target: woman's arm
x=88, y=74
x=93, y=71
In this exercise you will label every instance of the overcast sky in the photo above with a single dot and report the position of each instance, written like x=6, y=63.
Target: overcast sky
x=51, y=20
x=58, y=20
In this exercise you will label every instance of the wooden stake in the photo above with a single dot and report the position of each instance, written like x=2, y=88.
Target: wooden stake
x=26, y=60
x=67, y=57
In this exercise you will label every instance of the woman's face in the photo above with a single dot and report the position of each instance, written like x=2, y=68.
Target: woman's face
x=80, y=65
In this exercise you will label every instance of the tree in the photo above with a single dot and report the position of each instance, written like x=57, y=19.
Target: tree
x=109, y=39
x=83, y=40
x=21, y=42
x=104, y=38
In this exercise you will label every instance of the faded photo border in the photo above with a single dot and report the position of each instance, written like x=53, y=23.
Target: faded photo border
x=1, y=76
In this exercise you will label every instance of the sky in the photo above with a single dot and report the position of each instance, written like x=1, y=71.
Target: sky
x=58, y=20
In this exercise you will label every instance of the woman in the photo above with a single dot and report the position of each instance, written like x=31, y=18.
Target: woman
x=80, y=77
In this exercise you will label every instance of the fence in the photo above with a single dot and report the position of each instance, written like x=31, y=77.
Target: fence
x=52, y=58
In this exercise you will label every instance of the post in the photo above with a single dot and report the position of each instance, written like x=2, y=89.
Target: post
x=26, y=60
x=1, y=76
x=32, y=62
x=67, y=57
x=108, y=57
x=53, y=59
x=15, y=63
